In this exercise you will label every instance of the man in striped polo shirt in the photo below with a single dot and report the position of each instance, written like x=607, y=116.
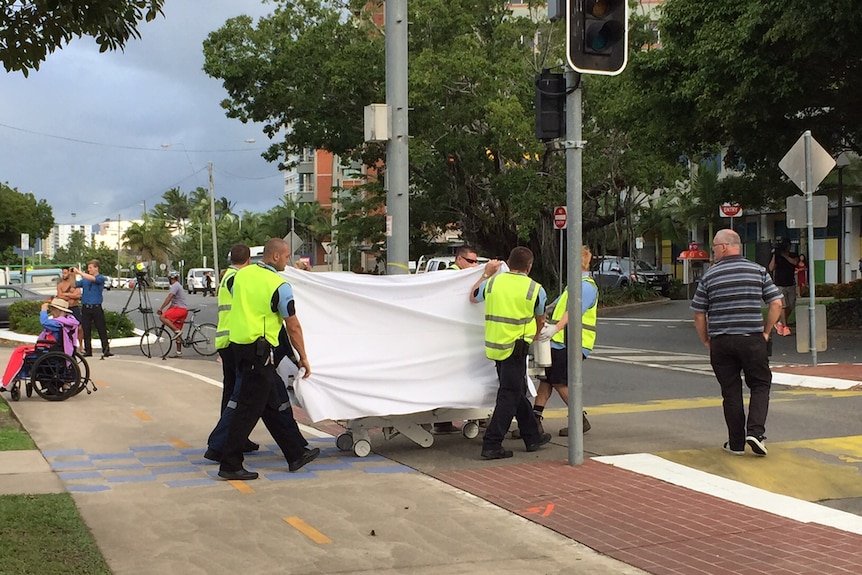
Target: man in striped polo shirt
x=727, y=315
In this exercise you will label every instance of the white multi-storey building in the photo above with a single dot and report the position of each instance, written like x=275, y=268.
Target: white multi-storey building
x=59, y=237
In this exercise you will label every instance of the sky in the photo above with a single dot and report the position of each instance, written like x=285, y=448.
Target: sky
x=100, y=135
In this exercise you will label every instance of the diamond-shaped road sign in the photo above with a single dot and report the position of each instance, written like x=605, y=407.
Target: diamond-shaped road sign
x=793, y=163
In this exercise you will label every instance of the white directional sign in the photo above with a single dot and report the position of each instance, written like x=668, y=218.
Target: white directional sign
x=793, y=163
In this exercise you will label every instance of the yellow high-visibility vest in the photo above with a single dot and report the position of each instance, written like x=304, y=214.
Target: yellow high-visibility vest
x=225, y=298
x=251, y=312
x=588, y=320
x=510, y=313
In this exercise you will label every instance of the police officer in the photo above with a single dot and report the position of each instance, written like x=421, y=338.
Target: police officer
x=262, y=301
x=514, y=316
x=240, y=256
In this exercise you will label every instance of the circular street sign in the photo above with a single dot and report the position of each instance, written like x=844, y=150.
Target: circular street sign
x=730, y=210
x=560, y=217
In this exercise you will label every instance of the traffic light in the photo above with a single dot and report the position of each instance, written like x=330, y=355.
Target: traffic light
x=597, y=36
x=550, y=106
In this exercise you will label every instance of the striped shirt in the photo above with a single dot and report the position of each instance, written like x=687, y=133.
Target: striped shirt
x=731, y=293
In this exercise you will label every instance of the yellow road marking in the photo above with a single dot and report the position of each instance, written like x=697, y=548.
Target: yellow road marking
x=241, y=486
x=696, y=402
x=142, y=415
x=307, y=530
x=811, y=470
x=178, y=443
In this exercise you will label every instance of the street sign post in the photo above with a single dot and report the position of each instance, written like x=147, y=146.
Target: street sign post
x=560, y=220
x=807, y=163
x=560, y=217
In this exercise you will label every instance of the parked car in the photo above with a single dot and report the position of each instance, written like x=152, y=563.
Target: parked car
x=440, y=263
x=161, y=283
x=618, y=272
x=109, y=283
x=11, y=294
x=195, y=279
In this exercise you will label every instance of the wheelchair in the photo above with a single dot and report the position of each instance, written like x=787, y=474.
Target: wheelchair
x=52, y=374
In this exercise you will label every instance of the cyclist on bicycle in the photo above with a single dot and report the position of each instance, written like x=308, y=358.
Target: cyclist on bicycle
x=174, y=310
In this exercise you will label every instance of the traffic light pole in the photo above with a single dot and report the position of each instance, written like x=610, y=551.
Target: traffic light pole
x=574, y=145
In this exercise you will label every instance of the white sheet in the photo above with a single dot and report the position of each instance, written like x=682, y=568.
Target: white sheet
x=391, y=345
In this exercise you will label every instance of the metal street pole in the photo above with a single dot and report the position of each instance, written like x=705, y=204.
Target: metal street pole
x=213, y=223
x=118, y=244
x=574, y=145
x=397, y=177
x=809, y=206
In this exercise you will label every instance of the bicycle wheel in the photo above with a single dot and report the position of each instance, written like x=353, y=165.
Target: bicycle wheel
x=203, y=339
x=55, y=376
x=156, y=342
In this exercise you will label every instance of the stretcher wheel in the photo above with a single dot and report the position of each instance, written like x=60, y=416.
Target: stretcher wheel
x=344, y=442
x=470, y=430
x=29, y=388
x=362, y=448
x=15, y=393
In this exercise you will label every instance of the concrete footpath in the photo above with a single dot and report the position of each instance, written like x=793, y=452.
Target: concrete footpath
x=131, y=456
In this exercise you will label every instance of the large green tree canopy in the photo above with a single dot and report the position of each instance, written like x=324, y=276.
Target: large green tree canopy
x=753, y=76
x=30, y=30
x=475, y=165
x=22, y=214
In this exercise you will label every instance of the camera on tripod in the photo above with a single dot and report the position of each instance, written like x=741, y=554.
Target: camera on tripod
x=779, y=246
x=141, y=280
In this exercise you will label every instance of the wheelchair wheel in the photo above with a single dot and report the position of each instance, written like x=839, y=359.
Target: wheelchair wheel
x=55, y=376
x=203, y=339
x=15, y=392
x=156, y=342
x=29, y=388
x=84, y=368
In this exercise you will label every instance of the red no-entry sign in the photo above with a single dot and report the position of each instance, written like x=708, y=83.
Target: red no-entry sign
x=560, y=217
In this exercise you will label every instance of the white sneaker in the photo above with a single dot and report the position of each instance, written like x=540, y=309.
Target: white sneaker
x=177, y=354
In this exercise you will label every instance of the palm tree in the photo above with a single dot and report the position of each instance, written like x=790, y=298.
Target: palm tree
x=152, y=239
x=175, y=206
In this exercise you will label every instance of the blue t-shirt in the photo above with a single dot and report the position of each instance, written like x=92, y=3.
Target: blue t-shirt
x=91, y=291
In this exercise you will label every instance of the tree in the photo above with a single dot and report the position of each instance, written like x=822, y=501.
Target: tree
x=29, y=31
x=151, y=239
x=22, y=214
x=75, y=252
x=307, y=72
x=175, y=206
x=753, y=76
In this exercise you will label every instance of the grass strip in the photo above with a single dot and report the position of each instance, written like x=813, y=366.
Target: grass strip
x=45, y=535
x=12, y=437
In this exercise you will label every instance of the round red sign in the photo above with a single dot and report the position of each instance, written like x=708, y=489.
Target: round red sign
x=560, y=217
x=730, y=210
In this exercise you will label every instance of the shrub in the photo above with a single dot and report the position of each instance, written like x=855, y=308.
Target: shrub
x=844, y=314
x=24, y=318
x=22, y=314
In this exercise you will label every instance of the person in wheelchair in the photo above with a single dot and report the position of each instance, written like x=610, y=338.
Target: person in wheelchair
x=59, y=332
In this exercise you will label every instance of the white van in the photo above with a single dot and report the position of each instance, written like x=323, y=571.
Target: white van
x=440, y=263
x=195, y=279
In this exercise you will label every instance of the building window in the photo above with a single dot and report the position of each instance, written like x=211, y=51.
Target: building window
x=306, y=183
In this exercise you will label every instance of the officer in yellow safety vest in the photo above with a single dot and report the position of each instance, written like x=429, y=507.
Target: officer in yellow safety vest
x=262, y=302
x=514, y=316
x=240, y=255
x=557, y=376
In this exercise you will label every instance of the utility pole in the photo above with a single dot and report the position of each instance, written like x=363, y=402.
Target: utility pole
x=397, y=176
x=213, y=223
x=118, y=245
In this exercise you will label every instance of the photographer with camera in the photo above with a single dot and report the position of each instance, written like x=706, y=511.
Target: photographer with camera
x=92, y=283
x=174, y=310
x=783, y=267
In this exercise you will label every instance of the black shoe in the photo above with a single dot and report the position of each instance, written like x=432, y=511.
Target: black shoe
x=241, y=475
x=212, y=455
x=307, y=457
x=248, y=447
x=543, y=439
x=87, y=354
x=496, y=454
x=108, y=354
x=756, y=444
x=446, y=427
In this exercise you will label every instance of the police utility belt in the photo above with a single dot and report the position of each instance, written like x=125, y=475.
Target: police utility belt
x=258, y=351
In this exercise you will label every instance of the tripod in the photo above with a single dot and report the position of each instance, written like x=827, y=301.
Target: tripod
x=144, y=305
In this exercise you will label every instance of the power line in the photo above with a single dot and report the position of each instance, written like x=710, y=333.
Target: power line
x=160, y=148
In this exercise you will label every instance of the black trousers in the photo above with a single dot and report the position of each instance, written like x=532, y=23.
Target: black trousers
x=94, y=315
x=259, y=399
x=732, y=356
x=512, y=402
x=228, y=368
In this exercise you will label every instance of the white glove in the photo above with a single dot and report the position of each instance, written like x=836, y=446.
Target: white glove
x=548, y=331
